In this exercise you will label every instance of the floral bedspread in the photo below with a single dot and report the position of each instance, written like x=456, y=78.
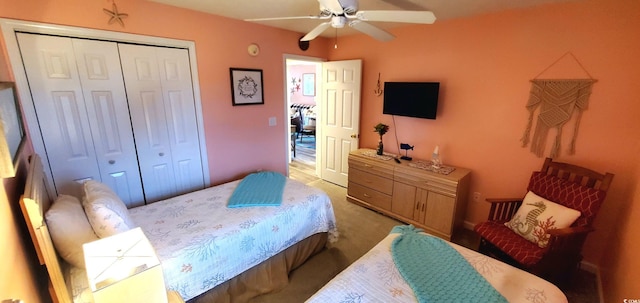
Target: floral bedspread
x=201, y=243
x=375, y=278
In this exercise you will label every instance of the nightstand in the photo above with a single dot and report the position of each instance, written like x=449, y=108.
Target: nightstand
x=174, y=297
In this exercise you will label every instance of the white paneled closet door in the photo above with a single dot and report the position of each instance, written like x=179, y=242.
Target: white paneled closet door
x=79, y=98
x=160, y=94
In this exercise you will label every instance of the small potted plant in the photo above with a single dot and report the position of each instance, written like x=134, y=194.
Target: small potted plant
x=381, y=129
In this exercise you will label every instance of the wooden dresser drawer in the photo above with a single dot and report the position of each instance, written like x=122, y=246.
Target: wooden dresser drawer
x=441, y=186
x=370, y=180
x=369, y=195
x=375, y=167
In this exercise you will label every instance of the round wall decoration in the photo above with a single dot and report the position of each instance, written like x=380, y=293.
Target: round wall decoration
x=253, y=49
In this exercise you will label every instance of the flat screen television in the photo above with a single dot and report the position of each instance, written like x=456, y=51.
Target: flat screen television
x=411, y=99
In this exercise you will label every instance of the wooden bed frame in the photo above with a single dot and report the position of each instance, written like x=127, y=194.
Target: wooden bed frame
x=37, y=199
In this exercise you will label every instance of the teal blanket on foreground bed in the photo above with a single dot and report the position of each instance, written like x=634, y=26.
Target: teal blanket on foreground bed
x=258, y=189
x=436, y=272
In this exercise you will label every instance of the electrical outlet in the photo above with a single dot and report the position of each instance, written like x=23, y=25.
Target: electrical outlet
x=477, y=196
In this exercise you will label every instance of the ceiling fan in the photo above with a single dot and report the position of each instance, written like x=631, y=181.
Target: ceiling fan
x=345, y=12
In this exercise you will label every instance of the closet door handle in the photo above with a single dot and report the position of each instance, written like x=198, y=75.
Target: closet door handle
x=112, y=162
x=161, y=154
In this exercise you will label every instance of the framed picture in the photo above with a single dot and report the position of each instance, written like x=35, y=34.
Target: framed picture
x=308, y=84
x=246, y=86
x=12, y=135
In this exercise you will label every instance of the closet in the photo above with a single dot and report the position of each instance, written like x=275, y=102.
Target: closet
x=119, y=113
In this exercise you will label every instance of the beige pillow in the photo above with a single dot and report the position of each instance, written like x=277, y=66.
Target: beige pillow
x=106, y=212
x=537, y=215
x=69, y=229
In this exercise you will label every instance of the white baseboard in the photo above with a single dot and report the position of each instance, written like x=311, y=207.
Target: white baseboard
x=588, y=266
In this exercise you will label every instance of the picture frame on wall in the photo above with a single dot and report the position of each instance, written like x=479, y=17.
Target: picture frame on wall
x=246, y=86
x=12, y=133
x=308, y=84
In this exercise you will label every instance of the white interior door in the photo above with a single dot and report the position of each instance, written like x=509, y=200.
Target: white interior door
x=163, y=118
x=340, y=118
x=177, y=91
x=57, y=95
x=82, y=112
x=106, y=103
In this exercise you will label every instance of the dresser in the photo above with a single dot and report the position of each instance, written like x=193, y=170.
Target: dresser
x=409, y=192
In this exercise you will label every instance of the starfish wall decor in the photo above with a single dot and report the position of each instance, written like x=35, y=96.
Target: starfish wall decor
x=115, y=15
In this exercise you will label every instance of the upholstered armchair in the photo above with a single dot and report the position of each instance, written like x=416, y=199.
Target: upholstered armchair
x=544, y=232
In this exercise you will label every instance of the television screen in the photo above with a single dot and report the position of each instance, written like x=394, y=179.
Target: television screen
x=411, y=99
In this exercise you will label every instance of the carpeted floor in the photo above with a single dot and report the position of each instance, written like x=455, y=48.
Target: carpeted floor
x=360, y=229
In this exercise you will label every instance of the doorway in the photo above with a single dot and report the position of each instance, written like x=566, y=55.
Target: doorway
x=303, y=108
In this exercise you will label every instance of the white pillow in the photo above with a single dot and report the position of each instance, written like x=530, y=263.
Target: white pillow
x=69, y=229
x=107, y=214
x=537, y=215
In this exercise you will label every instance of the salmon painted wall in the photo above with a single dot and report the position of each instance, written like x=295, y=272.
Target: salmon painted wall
x=20, y=273
x=239, y=139
x=484, y=65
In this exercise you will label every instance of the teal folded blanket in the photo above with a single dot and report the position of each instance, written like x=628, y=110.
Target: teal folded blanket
x=258, y=189
x=436, y=271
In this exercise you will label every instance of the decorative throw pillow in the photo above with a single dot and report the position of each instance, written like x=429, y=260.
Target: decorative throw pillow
x=106, y=212
x=69, y=229
x=536, y=215
x=570, y=194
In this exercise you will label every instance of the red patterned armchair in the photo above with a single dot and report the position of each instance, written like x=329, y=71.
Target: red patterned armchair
x=544, y=232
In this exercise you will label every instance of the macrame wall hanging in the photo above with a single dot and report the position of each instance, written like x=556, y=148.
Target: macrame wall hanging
x=557, y=99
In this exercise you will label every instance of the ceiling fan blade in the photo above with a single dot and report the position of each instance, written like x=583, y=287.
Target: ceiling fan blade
x=287, y=18
x=333, y=5
x=371, y=30
x=316, y=31
x=423, y=17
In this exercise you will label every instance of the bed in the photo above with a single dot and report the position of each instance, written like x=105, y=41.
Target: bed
x=209, y=253
x=375, y=278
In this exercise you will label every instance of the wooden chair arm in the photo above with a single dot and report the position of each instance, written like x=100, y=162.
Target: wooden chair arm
x=568, y=240
x=502, y=209
x=569, y=231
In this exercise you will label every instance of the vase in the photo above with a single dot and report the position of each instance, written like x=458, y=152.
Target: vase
x=380, y=147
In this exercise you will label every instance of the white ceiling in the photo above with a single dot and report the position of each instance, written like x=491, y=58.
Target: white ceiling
x=248, y=9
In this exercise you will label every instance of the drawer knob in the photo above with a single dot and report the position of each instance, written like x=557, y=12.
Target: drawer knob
x=366, y=195
x=367, y=165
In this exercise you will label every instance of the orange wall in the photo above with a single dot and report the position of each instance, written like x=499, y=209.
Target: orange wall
x=620, y=263
x=20, y=275
x=484, y=64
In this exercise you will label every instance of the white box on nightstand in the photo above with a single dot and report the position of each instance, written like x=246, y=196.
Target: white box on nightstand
x=124, y=268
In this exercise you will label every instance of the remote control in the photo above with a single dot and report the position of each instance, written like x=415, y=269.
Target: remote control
x=397, y=160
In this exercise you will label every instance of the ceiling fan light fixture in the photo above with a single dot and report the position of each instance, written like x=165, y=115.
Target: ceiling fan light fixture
x=345, y=12
x=338, y=21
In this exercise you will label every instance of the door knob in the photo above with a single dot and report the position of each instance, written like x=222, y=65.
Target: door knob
x=112, y=162
x=161, y=154
x=354, y=136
